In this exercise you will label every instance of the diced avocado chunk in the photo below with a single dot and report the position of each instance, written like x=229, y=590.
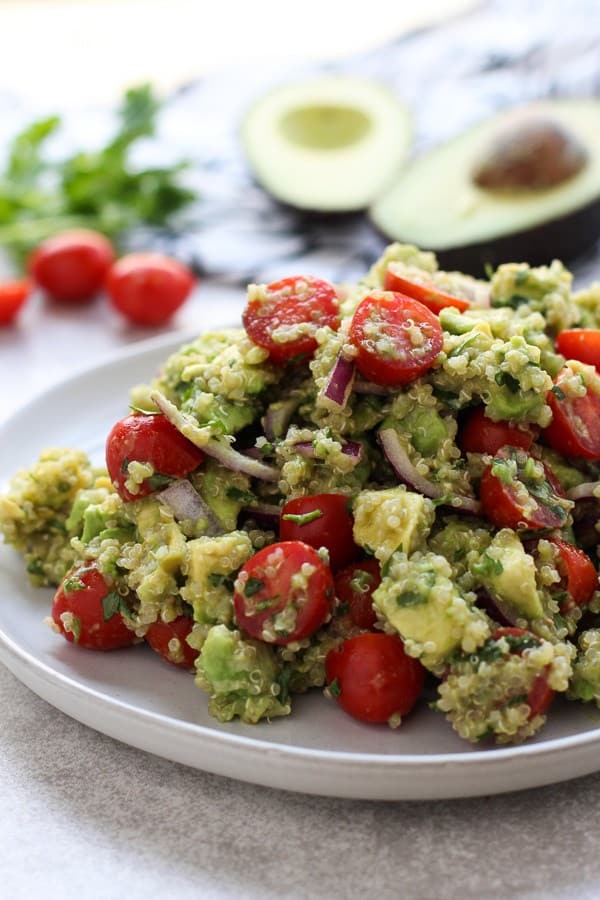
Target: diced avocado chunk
x=392, y=519
x=419, y=600
x=226, y=492
x=212, y=564
x=568, y=476
x=426, y=428
x=545, y=289
x=508, y=573
x=461, y=541
x=241, y=676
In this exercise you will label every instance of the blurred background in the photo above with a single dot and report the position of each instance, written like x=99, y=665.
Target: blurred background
x=445, y=64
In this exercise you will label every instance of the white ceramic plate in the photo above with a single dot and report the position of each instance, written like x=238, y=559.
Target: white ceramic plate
x=133, y=696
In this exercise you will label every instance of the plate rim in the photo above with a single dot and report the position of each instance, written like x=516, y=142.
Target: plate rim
x=20, y=660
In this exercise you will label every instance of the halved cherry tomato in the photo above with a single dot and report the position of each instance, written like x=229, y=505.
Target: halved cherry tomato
x=540, y=694
x=285, y=320
x=148, y=288
x=579, y=576
x=89, y=614
x=575, y=426
x=502, y=493
x=168, y=639
x=149, y=439
x=580, y=343
x=321, y=520
x=423, y=291
x=13, y=295
x=284, y=593
x=396, y=338
x=72, y=266
x=372, y=678
x=354, y=587
x=479, y=434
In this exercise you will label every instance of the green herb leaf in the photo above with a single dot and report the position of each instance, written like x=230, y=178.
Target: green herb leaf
x=113, y=603
x=158, y=480
x=74, y=583
x=236, y=493
x=558, y=392
x=487, y=566
x=303, y=518
x=334, y=688
x=410, y=598
x=253, y=586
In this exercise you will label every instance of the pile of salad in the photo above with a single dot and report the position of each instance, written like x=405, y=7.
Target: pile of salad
x=377, y=490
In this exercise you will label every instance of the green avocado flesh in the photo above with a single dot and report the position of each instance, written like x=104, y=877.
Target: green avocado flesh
x=329, y=145
x=435, y=202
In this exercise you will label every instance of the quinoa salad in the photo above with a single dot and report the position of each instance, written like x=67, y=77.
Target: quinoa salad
x=386, y=491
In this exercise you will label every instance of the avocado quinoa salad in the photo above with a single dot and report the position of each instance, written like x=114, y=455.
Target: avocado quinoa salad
x=365, y=486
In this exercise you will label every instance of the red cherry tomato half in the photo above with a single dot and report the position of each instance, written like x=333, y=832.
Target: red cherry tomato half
x=72, y=266
x=321, y=520
x=168, y=639
x=148, y=288
x=479, y=434
x=575, y=426
x=372, y=678
x=284, y=593
x=396, y=338
x=354, y=587
x=540, y=694
x=148, y=439
x=579, y=576
x=425, y=292
x=286, y=319
x=580, y=343
x=88, y=613
x=520, y=500
x=13, y=295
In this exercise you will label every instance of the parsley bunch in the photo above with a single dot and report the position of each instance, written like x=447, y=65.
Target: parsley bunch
x=99, y=190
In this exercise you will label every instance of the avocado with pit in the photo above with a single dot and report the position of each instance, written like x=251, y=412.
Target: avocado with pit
x=327, y=145
x=524, y=184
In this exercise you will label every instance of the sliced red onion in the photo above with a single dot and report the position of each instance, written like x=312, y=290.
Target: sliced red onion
x=408, y=474
x=496, y=609
x=266, y=514
x=584, y=491
x=220, y=450
x=338, y=387
x=277, y=418
x=349, y=448
x=369, y=387
x=185, y=502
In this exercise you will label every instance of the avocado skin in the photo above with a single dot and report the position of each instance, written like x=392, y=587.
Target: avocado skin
x=564, y=238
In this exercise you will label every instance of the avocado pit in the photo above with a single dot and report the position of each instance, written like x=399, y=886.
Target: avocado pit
x=534, y=155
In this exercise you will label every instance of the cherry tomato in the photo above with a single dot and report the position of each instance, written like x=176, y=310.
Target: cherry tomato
x=169, y=641
x=423, y=291
x=284, y=593
x=575, y=426
x=580, y=343
x=147, y=288
x=503, y=501
x=321, y=520
x=354, y=587
x=285, y=321
x=148, y=439
x=479, y=434
x=372, y=678
x=13, y=295
x=397, y=338
x=579, y=576
x=89, y=614
x=72, y=266
x=540, y=694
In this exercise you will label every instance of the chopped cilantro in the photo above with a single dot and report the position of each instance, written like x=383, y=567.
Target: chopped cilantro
x=558, y=392
x=215, y=579
x=487, y=566
x=236, y=493
x=266, y=604
x=253, y=586
x=158, y=480
x=505, y=379
x=303, y=518
x=124, y=465
x=35, y=566
x=410, y=598
x=334, y=688
x=113, y=603
x=74, y=583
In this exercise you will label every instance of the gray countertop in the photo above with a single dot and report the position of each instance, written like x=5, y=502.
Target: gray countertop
x=84, y=815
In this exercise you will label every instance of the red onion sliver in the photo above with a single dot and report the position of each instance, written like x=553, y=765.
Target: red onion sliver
x=338, y=387
x=185, y=502
x=584, y=491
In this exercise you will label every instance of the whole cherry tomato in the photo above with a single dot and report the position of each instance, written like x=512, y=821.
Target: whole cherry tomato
x=148, y=288
x=72, y=266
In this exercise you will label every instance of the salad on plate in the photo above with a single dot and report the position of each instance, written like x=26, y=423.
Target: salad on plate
x=388, y=491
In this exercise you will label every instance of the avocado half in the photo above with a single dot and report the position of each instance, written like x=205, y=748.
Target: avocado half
x=327, y=145
x=437, y=202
